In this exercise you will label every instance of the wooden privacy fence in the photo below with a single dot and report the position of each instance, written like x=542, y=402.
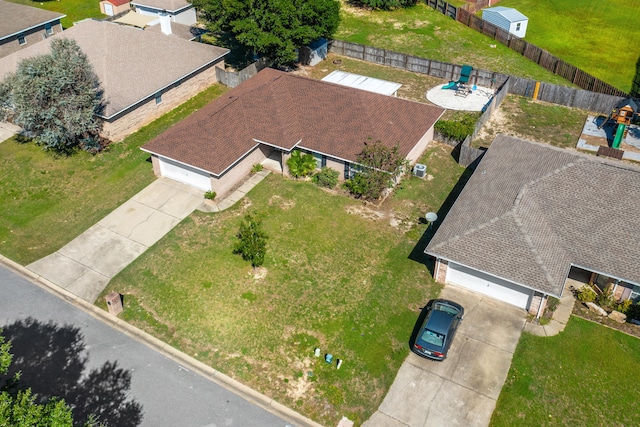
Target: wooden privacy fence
x=578, y=98
x=234, y=78
x=530, y=51
x=416, y=64
x=467, y=154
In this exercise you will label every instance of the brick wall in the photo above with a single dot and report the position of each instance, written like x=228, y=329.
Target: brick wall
x=118, y=128
x=441, y=270
x=240, y=170
x=537, y=299
x=32, y=36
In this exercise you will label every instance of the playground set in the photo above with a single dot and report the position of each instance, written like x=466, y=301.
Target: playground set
x=622, y=115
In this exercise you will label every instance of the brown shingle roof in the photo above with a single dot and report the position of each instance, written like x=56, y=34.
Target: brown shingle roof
x=530, y=211
x=15, y=18
x=131, y=64
x=289, y=111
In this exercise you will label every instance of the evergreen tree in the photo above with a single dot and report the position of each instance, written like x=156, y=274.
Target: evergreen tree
x=252, y=240
x=55, y=97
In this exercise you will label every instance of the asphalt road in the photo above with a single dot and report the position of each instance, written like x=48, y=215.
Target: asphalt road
x=64, y=351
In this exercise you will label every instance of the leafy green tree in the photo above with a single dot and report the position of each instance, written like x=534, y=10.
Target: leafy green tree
x=272, y=28
x=19, y=409
x=387, y=4
x=252, y=240
x=381, y=166
x=55, y=98
x=300, y=164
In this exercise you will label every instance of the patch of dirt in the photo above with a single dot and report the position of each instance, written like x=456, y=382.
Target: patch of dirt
x=260, y=273
x=282, y=203
x=365, y=212
x=300, y=387
x=498, y=123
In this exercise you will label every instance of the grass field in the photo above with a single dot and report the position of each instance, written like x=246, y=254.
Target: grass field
x=538, y=121
x=600, y=37
x=585, y=376
x=76, y=10
x=339, y=277
x=422, y=31
x=47, y=200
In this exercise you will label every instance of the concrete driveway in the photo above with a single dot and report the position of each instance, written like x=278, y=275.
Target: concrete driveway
x=7, y=130
x=463, y=389
x=86, y=264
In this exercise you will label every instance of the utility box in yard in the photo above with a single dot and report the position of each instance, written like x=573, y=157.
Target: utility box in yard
x=114, y=303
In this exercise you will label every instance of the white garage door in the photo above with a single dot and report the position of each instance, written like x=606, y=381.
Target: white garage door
x=185, y=174
x=489, y=285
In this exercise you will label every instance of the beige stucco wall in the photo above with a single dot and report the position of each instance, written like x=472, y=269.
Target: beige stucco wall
x=239, y=171
x=34, y=35
x=117, y=129
x=417, y=151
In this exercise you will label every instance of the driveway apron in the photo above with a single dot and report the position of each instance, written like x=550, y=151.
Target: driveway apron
x=86, y=264
x=463, y=389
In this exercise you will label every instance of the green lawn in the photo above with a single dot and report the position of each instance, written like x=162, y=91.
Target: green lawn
x=600, y=37
x=339, y=277
x=587, y=375
x=538, y=121
x=76, y=10
x=47, y=200
x=421, y=31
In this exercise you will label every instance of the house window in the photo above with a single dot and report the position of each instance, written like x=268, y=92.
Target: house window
x=635, y=294
x=518, y=26
x=21, y=39
x=321, y=161
x=48, y=29
x=158, y=98
x=351, y=169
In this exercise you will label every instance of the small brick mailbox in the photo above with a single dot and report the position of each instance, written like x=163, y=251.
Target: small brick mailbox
x=114, y=303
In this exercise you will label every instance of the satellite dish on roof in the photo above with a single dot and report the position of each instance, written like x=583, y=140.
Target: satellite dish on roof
x=431, y=216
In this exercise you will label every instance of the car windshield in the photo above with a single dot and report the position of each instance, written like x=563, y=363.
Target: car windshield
x=432, y=337
x=447, y=308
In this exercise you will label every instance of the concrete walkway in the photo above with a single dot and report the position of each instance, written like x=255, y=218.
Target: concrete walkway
x=85, y=265
x=7, y=130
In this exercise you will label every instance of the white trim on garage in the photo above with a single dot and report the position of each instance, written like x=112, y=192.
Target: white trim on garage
x=491, y=286
x=184, y=173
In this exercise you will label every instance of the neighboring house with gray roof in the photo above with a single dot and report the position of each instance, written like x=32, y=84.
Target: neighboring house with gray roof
x=273, y=113
x=530, y=214
x=180, y=11
x=143, y=74
x=22, y=26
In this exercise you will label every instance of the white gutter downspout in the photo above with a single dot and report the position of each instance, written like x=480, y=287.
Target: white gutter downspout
x=540, y=307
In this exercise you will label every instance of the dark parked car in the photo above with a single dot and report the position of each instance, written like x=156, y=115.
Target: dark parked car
x=436, y=333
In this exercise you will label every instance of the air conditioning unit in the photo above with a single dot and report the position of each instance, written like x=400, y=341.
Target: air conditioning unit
x=419, y=170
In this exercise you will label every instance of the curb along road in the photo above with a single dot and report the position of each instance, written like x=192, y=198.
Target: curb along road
x=163, y=348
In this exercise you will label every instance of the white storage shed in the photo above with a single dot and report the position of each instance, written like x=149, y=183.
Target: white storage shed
x=507, y=18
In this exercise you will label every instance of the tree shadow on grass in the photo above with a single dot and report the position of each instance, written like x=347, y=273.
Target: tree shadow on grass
x=51, y=361
x=417, y=254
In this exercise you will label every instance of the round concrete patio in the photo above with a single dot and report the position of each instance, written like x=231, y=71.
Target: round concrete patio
x=447, y=98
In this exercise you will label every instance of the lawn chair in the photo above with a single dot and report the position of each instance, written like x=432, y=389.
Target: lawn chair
x=463, y=88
